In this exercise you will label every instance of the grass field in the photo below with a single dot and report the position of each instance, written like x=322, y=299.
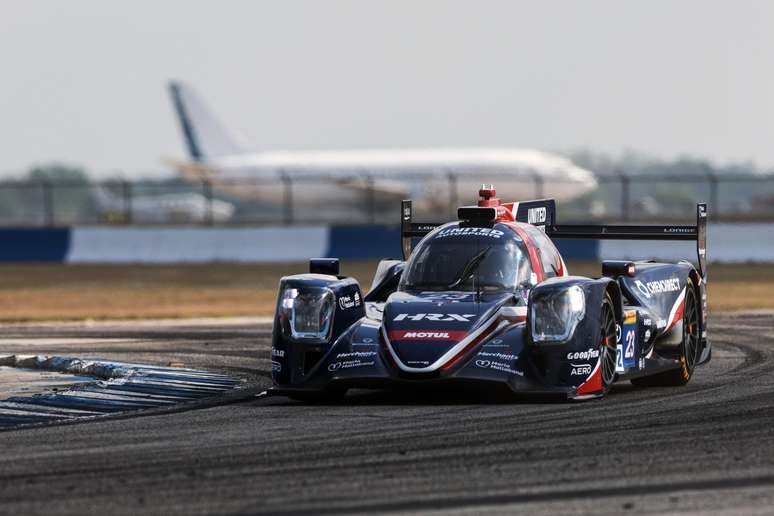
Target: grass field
x=37, y=292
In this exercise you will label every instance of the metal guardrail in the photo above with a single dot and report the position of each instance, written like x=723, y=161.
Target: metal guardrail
x=362, y=199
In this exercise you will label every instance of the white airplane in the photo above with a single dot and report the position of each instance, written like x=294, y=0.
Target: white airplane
x=170, y=207
x=346, y=179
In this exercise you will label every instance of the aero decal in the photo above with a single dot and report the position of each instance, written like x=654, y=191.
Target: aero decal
x=427, y=335
x=593, y=383
x=677, y=311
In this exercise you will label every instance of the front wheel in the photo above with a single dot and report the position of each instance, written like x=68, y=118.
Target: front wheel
x=603, y=375
x=689, y=347
x=608, y=344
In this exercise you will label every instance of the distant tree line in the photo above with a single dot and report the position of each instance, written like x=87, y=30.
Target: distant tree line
x=668, y=188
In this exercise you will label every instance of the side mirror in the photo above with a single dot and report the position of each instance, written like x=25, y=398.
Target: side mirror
x=328, y=266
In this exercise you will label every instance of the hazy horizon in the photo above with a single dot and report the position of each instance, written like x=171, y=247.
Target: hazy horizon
x=85, y=81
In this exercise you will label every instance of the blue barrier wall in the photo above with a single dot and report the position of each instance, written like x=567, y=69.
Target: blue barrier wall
x=34, y=245
x=578, y=249
x=354, y=242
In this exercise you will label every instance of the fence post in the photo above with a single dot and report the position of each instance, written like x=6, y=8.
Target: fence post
x=207, y=191
x=625, y=186
x=126, y=190
x=452, y=192
x=370, y=199
x=539, y=184
x=714, y=208
x=48, y=202
x=287, y=192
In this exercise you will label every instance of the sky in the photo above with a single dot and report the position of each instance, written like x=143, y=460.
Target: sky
x=84, y=81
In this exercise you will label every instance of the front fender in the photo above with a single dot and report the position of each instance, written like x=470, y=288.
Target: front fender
x=292, y=361
x=572, y=362
x=594, y=291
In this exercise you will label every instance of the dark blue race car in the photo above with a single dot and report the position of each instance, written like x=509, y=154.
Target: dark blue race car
x=487, y=302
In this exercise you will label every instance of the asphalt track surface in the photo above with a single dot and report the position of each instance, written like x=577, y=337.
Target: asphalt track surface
x=706, y=447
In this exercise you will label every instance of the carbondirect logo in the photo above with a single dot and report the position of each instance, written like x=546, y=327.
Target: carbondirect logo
x=657, y=287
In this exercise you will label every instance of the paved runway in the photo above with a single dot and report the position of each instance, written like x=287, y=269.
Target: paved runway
x=706, y=447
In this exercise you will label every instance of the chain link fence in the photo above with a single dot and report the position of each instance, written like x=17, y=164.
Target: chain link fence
x=367, y=199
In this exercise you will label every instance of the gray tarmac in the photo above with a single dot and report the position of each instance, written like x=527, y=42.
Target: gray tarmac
x=703, y=448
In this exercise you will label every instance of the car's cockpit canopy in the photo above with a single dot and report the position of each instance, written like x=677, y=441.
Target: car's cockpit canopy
x=461, y=258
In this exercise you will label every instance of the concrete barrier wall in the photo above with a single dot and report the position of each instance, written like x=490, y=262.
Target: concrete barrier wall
x=169, y=245
x=725, y=243
x=104, y=244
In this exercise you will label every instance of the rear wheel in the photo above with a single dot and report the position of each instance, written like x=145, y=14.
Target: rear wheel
x=689, y=348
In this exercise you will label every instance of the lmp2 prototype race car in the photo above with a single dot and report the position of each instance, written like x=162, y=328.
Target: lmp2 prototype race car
x=487, y=302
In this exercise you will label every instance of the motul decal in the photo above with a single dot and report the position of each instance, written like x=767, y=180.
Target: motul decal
x=396, y=335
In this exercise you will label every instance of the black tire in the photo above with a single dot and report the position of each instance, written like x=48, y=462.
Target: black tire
x=608, y=343
x=689, y=347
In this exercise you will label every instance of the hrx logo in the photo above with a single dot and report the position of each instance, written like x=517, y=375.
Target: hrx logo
x=435, y=317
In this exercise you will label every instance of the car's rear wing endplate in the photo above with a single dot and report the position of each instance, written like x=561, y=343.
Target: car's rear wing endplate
x=410, y=230
x=697, y=233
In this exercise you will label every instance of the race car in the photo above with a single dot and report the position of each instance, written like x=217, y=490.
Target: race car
x=487, y=302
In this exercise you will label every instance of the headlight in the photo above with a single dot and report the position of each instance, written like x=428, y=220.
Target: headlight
x=555, y=315
x=307, y=314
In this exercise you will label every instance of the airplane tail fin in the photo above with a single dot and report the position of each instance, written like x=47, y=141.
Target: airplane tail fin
x=205, y=136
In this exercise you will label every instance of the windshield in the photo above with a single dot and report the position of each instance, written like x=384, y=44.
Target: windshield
x=468, y=262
